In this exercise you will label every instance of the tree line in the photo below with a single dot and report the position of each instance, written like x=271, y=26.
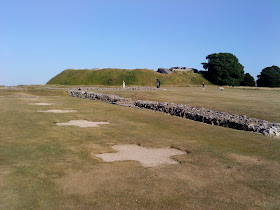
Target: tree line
x=225, y=69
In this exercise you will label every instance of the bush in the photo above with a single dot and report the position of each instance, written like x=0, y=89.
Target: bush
x=269, y=77
x=248, y=80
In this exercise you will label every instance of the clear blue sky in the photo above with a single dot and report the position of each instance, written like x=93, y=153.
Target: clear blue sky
x=41, y=38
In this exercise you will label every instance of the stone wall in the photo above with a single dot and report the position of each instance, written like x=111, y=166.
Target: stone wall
x=198, y=114
x=11, y=87
x=173, y=69
x=213, y=117
x=180, y=69
x=164, y=71
x=108, y=98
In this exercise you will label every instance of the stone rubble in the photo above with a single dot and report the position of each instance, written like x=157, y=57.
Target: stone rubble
x=214, y=117
x=204, y=115
x=108, y=98
x=11, y=87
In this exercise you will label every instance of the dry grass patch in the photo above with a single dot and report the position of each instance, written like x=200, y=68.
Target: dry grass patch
x=247, y=160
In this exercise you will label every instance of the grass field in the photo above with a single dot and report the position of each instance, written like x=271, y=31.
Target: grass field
x=45, y=166
x=262, y=103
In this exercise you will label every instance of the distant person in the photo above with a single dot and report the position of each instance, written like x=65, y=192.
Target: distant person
x=158, y=83
x=203, y=86
x=123, y=84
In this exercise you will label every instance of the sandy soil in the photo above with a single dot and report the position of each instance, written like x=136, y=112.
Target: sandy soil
x=58, y=111
x=42, y=104
x=83, y=123
x=147, y=157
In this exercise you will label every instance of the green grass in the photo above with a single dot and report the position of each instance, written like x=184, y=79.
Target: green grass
x=114, y=77
x=44, y=166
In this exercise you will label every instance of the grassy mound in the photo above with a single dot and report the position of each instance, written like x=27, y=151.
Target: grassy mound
x=114, y=77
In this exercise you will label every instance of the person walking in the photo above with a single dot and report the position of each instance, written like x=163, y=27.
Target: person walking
x=158, y=83
x=203, y=86
x=123, y=84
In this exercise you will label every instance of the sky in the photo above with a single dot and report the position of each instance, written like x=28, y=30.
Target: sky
x=41, y=38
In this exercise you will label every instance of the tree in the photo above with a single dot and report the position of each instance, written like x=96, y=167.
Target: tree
x=269, y=77
x=224, y=69
x=248, y=80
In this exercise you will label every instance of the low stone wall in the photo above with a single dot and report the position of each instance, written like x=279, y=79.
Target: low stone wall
x=108, y=98
x=214, y=117
x=11, y=87
x=198, y=114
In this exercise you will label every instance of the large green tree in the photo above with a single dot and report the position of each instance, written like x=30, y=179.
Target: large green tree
x=248, y=80
x=269, y=77
x=224, y=69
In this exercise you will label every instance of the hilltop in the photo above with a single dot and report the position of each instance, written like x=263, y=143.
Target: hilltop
x=114, y=77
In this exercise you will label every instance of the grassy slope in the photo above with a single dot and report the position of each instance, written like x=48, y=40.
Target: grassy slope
x=44, y=166
x=115, y=77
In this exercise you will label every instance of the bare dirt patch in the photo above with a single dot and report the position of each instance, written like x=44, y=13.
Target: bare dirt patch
x=58, y=111
x=42, y=104
x=83, y=123
x=147, y=157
